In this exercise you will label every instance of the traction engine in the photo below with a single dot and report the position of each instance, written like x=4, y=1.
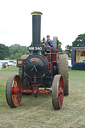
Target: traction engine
x=43, y=71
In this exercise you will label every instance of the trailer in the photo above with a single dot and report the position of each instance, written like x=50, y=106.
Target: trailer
x=78, y=58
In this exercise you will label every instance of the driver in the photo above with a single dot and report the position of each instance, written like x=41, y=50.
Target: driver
x=49, y=42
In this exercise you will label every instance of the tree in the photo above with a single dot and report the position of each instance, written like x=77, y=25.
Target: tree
x=12, y=57
x=68, y=49
x=59, y=46
x=79, y=41
x=4, y=52
x=20, y=50
x=14, y=48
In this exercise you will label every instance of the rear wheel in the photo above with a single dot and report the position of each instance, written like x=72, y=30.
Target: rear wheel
x=63, y=70
x=14, y=91
x=57, y=92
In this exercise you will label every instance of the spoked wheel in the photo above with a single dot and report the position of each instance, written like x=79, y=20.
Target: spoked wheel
x=13, y=91
x=57, y=92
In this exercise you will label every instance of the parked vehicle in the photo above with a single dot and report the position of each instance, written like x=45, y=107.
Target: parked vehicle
x=12, y=63
x=5, y=64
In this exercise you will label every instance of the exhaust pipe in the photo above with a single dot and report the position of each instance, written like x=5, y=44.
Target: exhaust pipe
x=36, y=29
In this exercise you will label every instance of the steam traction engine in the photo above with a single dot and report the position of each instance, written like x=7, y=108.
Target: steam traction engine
x=39, y=71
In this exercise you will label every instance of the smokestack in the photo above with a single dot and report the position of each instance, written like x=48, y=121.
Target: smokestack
x=36, y=28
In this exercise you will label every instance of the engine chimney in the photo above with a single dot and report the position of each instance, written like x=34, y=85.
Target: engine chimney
x=36, y=29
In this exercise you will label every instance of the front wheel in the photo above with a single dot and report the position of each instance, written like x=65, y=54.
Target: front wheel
x=14, y=91
x=57, y=92
x=63, y=70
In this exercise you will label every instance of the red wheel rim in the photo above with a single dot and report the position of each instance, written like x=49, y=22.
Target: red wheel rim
x=61, y=92
x=16, y=90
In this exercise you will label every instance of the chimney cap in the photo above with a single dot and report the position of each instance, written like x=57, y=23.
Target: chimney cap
x=36, y=13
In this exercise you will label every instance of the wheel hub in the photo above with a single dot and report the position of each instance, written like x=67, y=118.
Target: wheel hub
x=61, y=91
x=16, y=90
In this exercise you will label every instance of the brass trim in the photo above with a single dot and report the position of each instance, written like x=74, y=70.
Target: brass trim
x=36, y=13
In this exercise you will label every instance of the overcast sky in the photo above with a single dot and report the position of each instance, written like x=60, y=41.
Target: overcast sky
x=62, y=18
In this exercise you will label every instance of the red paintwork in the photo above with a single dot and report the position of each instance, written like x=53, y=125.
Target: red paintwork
x=36, y=90
x=60, y=95
x=35, y=59
x=51, y=55
x=16, y=90
x=54, y=57
x=39, y=91
x=47, y=47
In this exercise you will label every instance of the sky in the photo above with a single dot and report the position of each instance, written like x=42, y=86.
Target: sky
x=62, y=18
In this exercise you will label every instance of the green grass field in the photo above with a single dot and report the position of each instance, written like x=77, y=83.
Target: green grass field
x=38, y=112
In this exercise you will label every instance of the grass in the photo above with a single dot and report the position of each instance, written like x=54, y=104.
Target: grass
x=38, y=112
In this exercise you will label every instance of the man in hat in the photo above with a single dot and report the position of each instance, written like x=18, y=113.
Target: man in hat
x=49, y=42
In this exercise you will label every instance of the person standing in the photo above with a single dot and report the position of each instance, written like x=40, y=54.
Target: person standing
x=49, y=42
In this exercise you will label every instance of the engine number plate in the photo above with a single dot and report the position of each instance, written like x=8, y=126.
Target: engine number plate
x=35, y=48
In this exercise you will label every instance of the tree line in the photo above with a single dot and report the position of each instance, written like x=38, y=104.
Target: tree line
x=78, y=42
x=16, y=51
x=12, y=52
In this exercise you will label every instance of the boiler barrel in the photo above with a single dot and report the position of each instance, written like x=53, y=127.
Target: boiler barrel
x=36, y=28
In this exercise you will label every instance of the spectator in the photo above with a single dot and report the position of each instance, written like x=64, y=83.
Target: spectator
x=43, y=41
x=49, y=42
